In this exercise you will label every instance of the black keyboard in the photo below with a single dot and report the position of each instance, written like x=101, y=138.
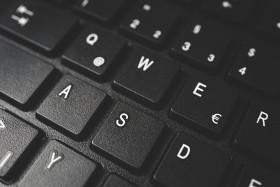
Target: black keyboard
x=121, y=93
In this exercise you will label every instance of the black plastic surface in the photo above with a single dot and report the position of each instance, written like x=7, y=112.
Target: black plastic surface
x=186, y=12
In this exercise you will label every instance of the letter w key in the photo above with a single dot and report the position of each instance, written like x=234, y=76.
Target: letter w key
x=146, y=76
x=145, y=63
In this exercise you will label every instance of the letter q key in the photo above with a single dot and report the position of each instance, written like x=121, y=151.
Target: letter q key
x=92, y=39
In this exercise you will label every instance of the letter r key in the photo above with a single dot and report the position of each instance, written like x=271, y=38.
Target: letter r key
x=259, y=132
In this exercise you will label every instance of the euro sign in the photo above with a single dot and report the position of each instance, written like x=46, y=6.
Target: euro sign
x=216, y=118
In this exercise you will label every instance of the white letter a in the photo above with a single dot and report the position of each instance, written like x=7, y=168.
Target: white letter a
x=65, y=92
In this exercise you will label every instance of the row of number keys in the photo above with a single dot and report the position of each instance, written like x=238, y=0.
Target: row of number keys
x=254, y=58
x=203, y=43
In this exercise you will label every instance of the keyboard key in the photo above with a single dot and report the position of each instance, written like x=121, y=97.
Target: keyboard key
x=102, y=10
x=21, y=74
x=258, y=176
x=237, y=11
x=71, y=105
x=203, y=42
x=93, y=51
x=257, y=66
x=150, y=20
x=260, y=130
x=270, y=23
x=205, y=102
x=58, y=165
x=128, y=135
x=117, y=181
x=190, y=162
x=16, y=138
x=24, y=20
x=146, y=76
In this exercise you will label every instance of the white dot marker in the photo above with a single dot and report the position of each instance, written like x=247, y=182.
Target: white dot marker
x=278, y=25
x=147, y=7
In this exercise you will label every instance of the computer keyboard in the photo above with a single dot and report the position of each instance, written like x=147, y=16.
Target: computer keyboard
x=128, y=93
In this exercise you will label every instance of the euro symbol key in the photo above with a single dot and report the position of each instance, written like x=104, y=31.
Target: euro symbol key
x=216, y=118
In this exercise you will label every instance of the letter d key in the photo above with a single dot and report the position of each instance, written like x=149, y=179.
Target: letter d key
x=184, y=152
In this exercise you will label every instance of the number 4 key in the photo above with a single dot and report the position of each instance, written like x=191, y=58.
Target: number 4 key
x=257, y=66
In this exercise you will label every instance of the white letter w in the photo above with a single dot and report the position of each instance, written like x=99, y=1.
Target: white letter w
x=145, y=62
